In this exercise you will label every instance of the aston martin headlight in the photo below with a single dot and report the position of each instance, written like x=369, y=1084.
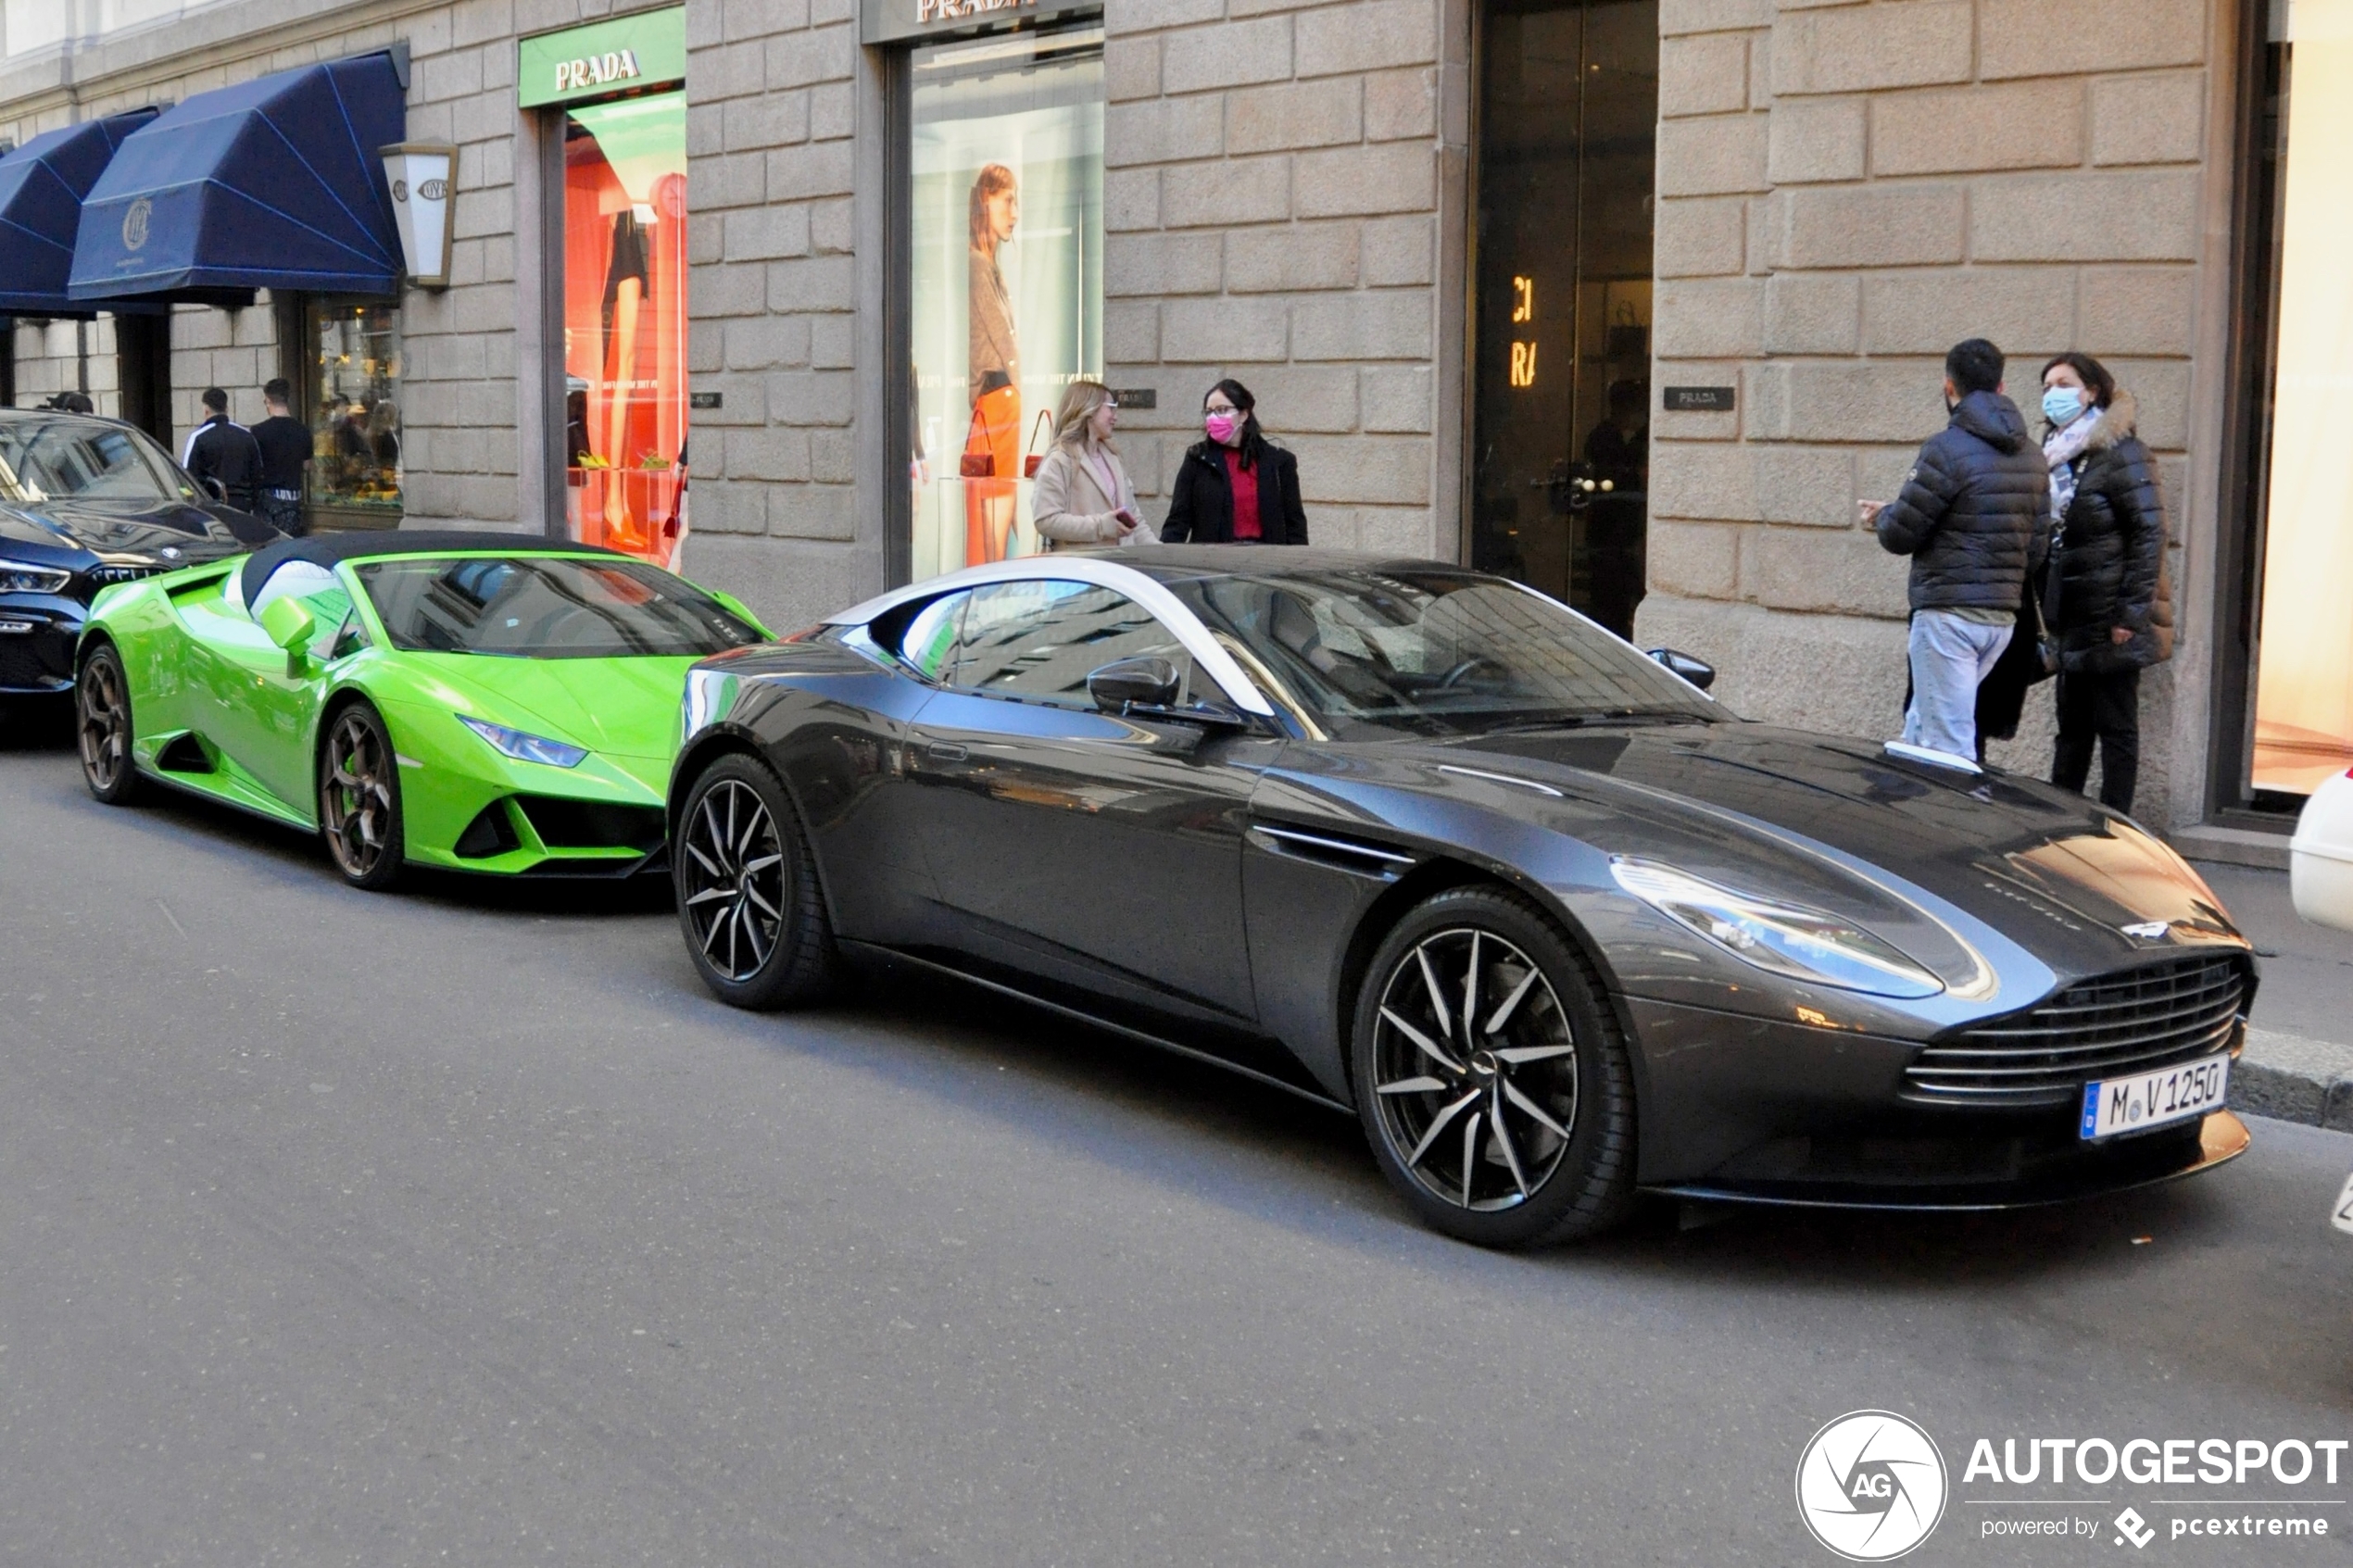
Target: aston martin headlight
x=22, y=577
x=525, y=747
x=1780, y=937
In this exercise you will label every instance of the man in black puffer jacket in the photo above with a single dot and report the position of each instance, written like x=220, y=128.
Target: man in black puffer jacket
x=1975, y=517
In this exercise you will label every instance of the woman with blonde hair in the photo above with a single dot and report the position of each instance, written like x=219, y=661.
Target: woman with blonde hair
x=1082, y=496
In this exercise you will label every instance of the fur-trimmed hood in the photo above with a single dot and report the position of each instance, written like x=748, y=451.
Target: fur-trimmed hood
x=2116, y=422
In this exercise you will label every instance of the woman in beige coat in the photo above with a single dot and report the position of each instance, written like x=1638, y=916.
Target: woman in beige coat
x=1082, y=496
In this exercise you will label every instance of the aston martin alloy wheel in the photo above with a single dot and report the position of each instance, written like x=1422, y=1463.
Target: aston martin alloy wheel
x=102, y=727
x=1489, y=1078
x=360, y=798
x=748, y=900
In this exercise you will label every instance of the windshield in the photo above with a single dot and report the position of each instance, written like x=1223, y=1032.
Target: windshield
x=1431, y=650
x=547, y=606
x=86, y=460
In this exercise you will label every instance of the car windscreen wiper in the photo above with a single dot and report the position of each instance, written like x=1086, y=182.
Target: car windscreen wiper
x=1612, y=716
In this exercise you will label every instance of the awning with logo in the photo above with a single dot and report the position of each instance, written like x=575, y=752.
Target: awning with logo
x=273, y=184
x=42, y=187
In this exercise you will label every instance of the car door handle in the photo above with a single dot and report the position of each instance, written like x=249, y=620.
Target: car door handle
x=947, y=751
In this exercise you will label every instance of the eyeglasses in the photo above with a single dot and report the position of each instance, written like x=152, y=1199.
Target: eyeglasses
x=1220, y=408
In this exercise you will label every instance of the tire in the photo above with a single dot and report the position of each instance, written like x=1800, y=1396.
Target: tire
x=102, y=733
x=1548, y=1059
x=748, y=900
x=360, y=798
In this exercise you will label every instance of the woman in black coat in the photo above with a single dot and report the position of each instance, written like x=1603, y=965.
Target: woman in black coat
x=2105, y=599
x=1234, y=487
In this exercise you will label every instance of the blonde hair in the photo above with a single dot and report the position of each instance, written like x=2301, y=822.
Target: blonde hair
x=1080, y=399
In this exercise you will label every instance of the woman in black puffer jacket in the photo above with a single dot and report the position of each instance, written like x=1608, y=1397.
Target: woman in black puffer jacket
x=2106, y=599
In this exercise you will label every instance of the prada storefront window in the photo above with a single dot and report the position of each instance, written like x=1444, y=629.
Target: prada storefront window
x=2302, y=646
x=624, y=323
x=1005, y=171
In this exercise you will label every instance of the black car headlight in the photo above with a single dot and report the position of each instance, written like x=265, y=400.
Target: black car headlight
x=23, y=577
x=1778, y=936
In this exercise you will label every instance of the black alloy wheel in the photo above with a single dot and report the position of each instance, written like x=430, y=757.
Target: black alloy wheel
x=748, y=900
x=360, y=798
x=102, y=727
x=1489, y=1075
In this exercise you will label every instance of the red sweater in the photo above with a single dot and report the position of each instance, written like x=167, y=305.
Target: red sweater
x=1245, y=484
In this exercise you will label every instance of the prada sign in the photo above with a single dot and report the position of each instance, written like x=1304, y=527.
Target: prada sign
x=891, y=22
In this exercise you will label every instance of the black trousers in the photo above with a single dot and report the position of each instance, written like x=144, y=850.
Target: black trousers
x=2105, y=708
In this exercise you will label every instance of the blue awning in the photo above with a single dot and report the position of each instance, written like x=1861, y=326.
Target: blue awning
x=42, y=187
x=273, y=184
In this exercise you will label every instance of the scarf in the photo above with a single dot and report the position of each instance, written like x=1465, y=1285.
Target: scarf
x=2060, y=450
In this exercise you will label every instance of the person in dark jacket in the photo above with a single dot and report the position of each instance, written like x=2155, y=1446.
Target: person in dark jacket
x=1974, y=516
x=221, y=455
x=1236, y=486
x=2106, y=601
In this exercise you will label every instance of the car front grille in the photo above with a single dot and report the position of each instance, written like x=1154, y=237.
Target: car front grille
x=106, y=576
x=2134, y=1021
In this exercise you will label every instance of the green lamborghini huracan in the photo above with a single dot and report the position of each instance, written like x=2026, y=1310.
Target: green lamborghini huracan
x=479, y=702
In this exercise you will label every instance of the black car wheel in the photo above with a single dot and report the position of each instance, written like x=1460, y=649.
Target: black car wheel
x=1490, y=1077
x=102, y=727
x=748, y=900
x=360, y=798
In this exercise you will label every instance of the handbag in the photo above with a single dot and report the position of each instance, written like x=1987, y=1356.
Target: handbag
x=981, y=464
x=1033, y=459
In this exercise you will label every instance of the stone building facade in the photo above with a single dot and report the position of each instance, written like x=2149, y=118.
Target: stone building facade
x=1303, y=195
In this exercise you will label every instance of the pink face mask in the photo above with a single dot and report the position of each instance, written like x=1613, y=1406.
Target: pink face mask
x=1221, y=427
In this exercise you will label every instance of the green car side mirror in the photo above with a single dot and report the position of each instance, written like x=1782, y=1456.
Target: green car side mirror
x=288, y=623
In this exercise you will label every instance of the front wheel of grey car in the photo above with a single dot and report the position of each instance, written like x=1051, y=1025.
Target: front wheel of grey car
x=1490, y=1076
x=748, y=900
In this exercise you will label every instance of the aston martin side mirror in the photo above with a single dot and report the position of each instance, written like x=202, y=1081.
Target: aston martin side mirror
x=1141, y=683
x=1698, y=672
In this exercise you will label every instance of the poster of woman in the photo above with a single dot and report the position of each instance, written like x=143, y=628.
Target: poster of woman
x=992, y=443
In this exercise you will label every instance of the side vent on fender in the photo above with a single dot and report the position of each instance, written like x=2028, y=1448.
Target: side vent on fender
x=185, y=755
x=1324, y=848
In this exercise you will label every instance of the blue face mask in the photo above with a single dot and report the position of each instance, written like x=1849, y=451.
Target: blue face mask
x=2061, y=403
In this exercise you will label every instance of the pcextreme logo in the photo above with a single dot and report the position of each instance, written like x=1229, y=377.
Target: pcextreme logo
x=1870, y=1485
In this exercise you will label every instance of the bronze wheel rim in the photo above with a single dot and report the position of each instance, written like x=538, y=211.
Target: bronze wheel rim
x=357, y=795
x=103, y=729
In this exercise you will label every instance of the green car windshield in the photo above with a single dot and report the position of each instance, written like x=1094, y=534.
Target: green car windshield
x=547, y=606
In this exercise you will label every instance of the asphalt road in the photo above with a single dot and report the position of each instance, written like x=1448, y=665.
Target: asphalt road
x=461, y=1226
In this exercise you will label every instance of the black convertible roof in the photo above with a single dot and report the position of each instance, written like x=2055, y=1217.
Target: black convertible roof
x=326, y=549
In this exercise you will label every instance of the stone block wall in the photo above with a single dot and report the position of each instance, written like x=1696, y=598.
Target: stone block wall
x=1283, y=204
x=1845, y=190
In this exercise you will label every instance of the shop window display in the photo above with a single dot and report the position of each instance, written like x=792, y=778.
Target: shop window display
x=625, y=323
x=355, y=414
x=1006, y=174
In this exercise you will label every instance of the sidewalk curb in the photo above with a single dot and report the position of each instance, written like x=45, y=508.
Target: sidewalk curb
x=2293, y=1079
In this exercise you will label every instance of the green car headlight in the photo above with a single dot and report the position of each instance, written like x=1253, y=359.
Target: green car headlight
x=1781, y=939
x=527, y=747
x=22, y=577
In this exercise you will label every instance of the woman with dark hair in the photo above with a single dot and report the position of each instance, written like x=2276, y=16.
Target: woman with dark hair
x=1234, y=487
x=992, y=442
x=2105, y=599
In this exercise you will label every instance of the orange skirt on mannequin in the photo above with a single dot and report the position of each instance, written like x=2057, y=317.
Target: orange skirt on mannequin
x=988, y=503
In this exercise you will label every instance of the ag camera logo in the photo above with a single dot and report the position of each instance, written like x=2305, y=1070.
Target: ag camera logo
x=1871, y=1486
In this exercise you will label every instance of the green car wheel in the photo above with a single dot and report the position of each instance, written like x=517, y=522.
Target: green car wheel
x=748, y=891
x=360, y=798
x=102, y=727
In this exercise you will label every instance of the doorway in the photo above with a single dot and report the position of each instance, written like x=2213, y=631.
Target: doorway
x=1568, y=145
x=143, y=367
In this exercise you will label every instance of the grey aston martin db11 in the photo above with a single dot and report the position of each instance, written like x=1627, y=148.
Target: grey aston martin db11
x=1423, y=843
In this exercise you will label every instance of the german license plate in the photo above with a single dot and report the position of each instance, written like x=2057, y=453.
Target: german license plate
x=2155, y=1099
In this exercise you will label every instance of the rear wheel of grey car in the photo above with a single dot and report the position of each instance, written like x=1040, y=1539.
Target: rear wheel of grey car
x=360, y=798
x=1490, y=1076
x=102, y=727
x=748, y=900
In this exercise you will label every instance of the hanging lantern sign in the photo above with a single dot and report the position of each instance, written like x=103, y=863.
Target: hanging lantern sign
x=423, y=178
